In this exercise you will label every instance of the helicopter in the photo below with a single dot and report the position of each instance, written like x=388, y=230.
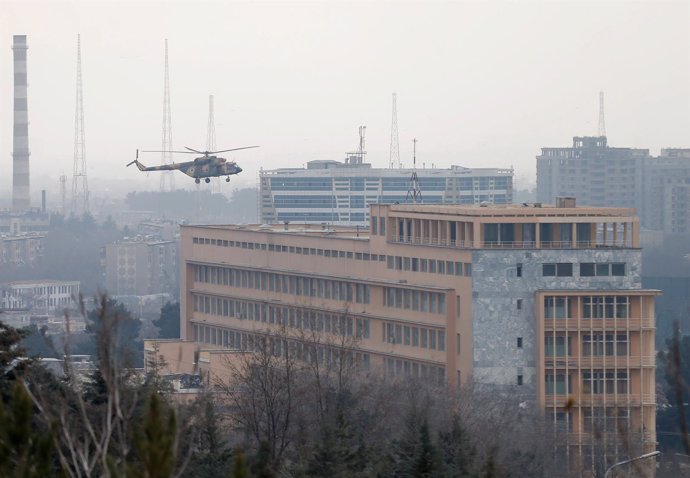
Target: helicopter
x=205, y=167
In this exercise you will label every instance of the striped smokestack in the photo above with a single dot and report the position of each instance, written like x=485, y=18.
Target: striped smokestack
x=21, y=199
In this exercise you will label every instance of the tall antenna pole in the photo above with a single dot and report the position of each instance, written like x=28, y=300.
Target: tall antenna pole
x=602, y=122
x=80, y=184
x=63, y=194
x=414, y=192
x=166, y=155
x=211, y=141
x=362, y=149
x=395, y=143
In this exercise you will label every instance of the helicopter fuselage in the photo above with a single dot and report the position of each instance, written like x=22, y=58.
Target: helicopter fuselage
x=209, y=167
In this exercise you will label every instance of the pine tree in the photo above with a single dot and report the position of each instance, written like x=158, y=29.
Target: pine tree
x=24, y=451
x=155, y=442
x=457, y=453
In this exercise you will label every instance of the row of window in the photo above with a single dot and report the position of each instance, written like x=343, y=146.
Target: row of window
x=416, y=264
x=414, y=336
x=287, y=316
x=596, y=419
x=402, y=298
x=593, y=307
x=593, y=382
x=398, y=368
x=313, y=353
x=596, y=345
x=587, y=269
x=284, y=283
x=413, y=264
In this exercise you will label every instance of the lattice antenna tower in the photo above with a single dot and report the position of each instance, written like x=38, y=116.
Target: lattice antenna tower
x=80, y=184
x=602, y=121
x=414, y=193
x=63, y=194
x=167, y=177
x=211, y=140
x=395, y=143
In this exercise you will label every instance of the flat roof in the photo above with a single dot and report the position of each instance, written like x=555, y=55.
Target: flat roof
x=517, y=210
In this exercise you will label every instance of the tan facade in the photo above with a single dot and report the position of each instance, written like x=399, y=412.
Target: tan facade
x=416, y=295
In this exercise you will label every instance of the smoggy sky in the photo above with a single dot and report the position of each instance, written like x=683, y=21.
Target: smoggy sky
x=480, y=84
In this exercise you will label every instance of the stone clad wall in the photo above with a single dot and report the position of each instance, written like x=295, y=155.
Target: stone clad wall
x=496, y=320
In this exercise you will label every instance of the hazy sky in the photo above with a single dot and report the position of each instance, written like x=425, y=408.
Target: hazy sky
x=481, y=84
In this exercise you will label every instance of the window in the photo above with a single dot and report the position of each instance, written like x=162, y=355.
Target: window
x=374, y=225
x=519, y=304
x=519, y=342
x=560, y=269
x=558, y=384
x=591, y=269
x=518, y=270
x=519, y=379
x=558, y=345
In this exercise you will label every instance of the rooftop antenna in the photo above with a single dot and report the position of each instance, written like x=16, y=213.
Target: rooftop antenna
x=166, y=155
x=362, y=152
x=211, y=140
x=80, y=184
x=602, y=122
x=395, y=143
x=357, y=157
x=414, y=193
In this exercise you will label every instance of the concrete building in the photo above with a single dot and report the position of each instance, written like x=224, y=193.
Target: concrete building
x=666, y=200
x=340, y=193
x=599, y=175
x=21, y=249
x=141, y=266
x=47, y=296
x=33, y=221
x=544, y=303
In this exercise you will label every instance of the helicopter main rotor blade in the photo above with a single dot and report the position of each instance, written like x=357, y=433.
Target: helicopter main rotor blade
x=234, y=149
x=157, y=151
x=198, y=152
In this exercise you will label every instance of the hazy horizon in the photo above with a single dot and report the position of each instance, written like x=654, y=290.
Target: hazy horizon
x=479, y=84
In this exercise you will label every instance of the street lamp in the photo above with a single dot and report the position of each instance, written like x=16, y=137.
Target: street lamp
x=641, y=457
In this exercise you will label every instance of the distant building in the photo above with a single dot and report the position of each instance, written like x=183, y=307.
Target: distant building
x=141, y=266
x=21, y=249
x=666, y=200
x=340, y=193
x=47, y=296
x=599, y=175
x=14, y=223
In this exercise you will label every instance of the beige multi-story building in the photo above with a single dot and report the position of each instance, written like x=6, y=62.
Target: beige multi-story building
x=21, y=249
x=544, y=303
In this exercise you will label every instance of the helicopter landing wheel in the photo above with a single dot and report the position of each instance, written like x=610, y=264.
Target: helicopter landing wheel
x=197, y=180
x=208, y=180
x=227, y=180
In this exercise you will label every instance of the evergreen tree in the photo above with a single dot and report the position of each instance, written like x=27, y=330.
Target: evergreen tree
x=24, y=451
x=239, y=467
x=212, y=457
x=155, y=442
x=169, y=322
x=261, y=463
x=457, y=453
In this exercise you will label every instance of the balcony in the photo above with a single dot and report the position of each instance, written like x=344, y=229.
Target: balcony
x=599, y=362
x=594, y=325
x=431, y=241
x=599, y=400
